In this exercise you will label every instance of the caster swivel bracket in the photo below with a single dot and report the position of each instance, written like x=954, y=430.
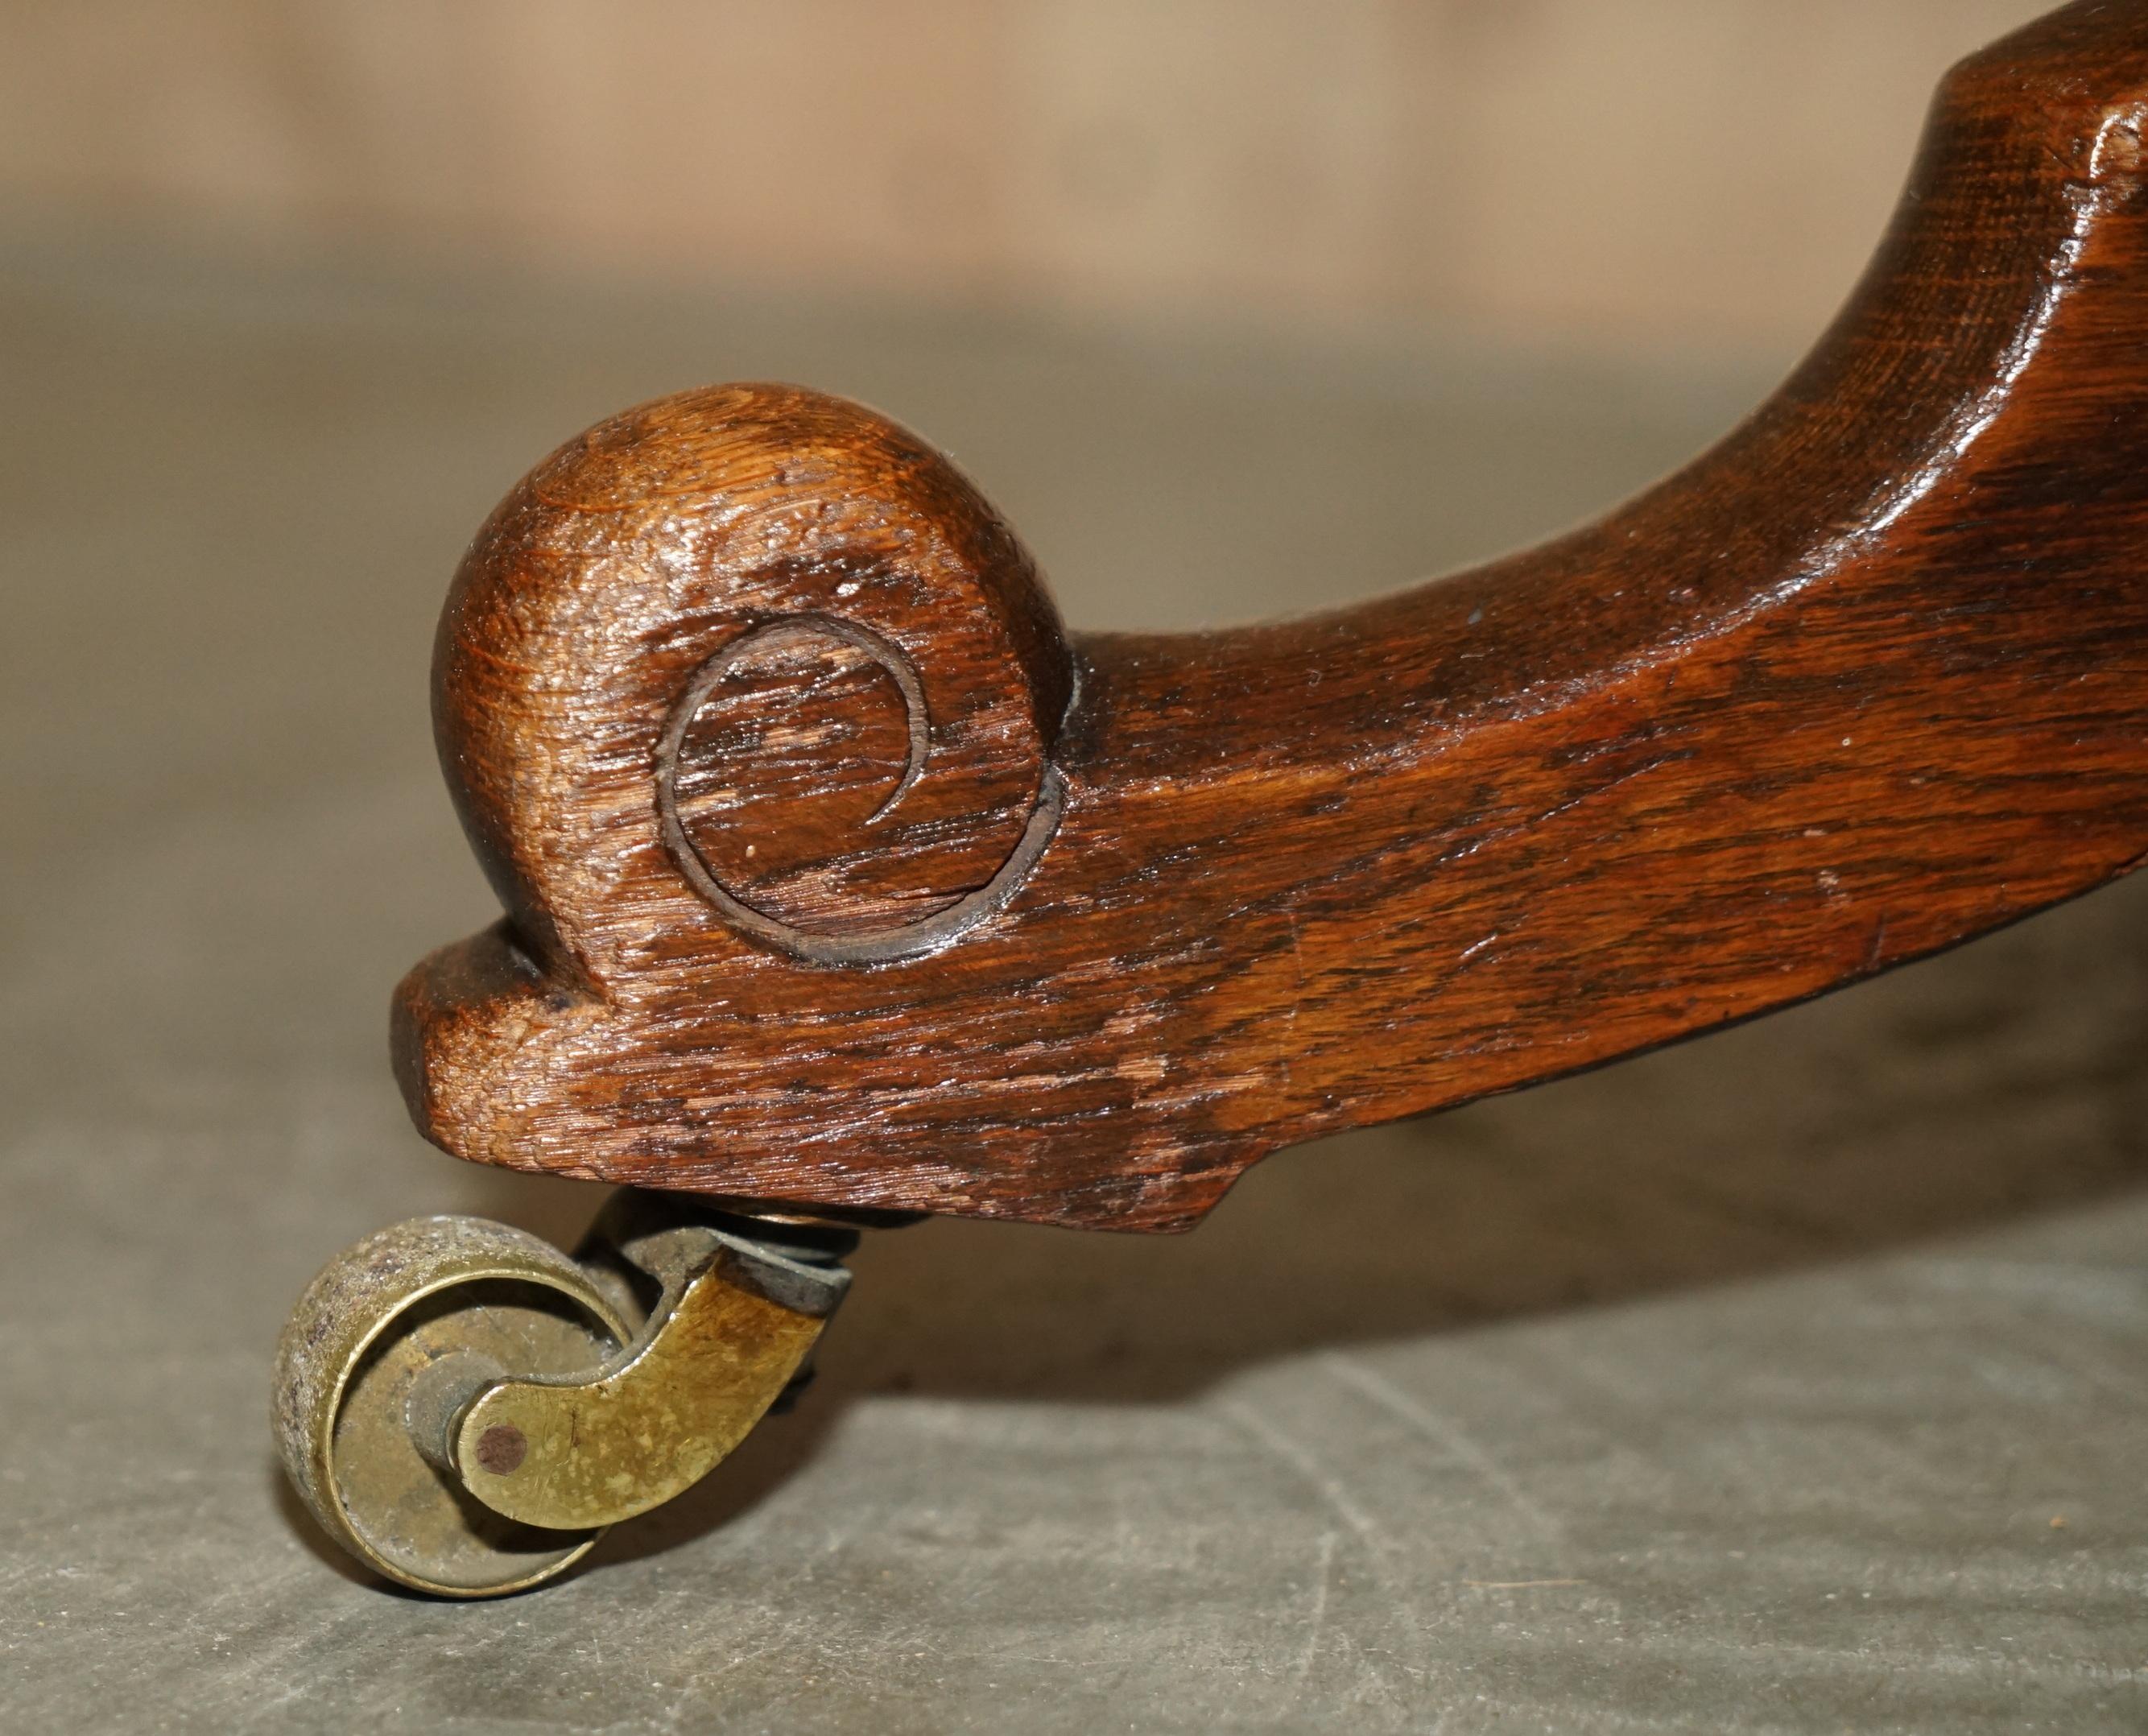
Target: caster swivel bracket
x=465, y=1409
x=734, y=1326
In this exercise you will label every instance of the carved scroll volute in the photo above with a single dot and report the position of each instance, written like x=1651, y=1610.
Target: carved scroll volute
x=749, y=668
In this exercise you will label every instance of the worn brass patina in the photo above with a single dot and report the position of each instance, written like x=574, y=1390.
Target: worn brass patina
x=735, y=1325
x=465, y=1408
x=382, y=1337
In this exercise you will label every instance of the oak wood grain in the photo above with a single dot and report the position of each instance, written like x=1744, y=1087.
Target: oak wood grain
x=946, y=911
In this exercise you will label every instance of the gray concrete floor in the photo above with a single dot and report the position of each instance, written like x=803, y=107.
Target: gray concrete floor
x=1791, y=1380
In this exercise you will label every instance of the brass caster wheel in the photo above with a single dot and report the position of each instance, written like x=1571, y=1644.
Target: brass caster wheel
x=465, y=1409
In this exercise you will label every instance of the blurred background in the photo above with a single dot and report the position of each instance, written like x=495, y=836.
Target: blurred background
x=1785, y=1380
x=1667, y=172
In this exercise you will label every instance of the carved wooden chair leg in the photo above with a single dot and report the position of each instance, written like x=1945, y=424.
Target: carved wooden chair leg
x=838, y=875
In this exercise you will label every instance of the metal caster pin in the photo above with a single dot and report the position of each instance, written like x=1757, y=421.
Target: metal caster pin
x=465, y=1409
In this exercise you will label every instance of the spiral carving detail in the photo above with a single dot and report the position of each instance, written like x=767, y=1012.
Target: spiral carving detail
x=757, y=655
x=869, y=946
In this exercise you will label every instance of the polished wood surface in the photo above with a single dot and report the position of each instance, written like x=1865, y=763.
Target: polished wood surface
x=837, y=872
